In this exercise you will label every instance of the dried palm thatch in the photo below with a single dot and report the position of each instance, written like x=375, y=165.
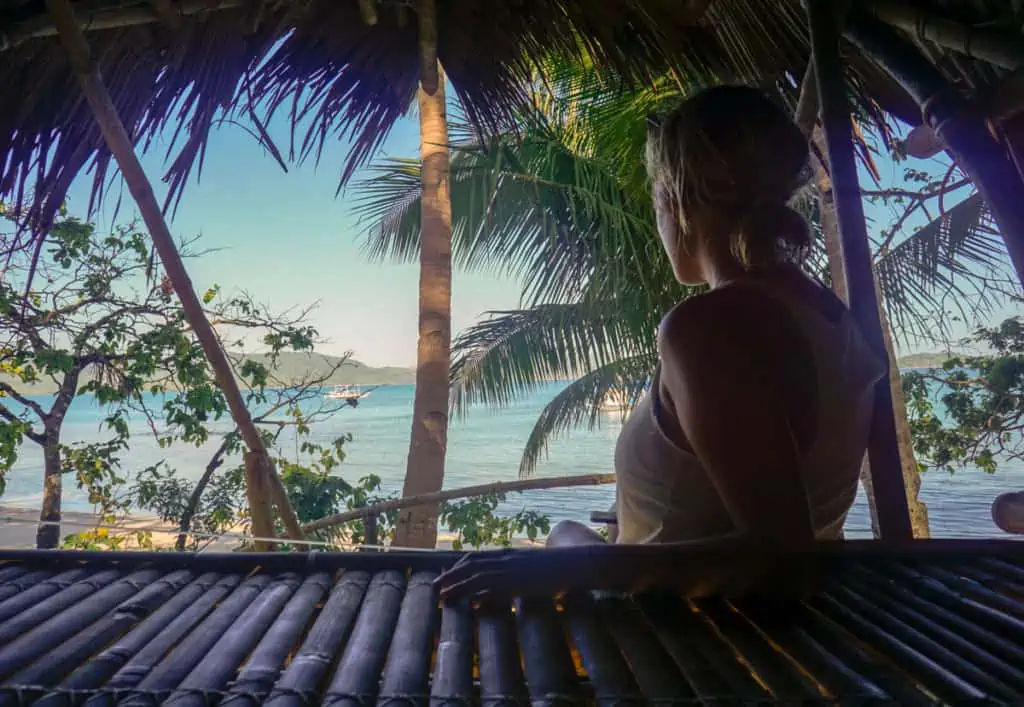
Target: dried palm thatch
x=347, y=70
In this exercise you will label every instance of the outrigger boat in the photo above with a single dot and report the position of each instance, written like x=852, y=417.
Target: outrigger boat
x=346, y=392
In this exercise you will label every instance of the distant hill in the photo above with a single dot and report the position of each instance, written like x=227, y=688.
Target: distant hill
x=293, y=367
x=923, y=360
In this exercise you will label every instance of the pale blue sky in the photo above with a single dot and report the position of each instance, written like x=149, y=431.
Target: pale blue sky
x=287, y=239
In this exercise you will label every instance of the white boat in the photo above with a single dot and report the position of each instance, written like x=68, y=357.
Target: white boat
x=346, y=392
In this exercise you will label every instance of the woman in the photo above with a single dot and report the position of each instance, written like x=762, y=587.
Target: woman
x=757, y=420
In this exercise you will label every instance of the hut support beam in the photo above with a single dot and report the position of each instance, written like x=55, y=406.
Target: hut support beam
x=1002, y=50
x=121, y=147
x=101, y=18
x=883, y=450
x=961, y=125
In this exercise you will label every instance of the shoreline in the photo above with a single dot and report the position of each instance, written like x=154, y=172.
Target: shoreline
x=18, y=531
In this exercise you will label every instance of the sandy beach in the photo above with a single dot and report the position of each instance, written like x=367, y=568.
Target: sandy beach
x=18, y=531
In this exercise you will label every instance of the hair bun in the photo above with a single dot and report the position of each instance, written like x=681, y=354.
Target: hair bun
x=771, y=233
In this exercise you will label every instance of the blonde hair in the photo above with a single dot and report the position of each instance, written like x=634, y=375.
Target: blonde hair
x=732, y=153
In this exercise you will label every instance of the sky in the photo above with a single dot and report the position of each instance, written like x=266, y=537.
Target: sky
x=290, y=241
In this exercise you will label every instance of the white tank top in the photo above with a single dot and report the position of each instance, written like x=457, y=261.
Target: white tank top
x=663, y=493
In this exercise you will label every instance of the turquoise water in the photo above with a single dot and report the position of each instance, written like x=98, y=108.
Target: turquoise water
x=486, y=447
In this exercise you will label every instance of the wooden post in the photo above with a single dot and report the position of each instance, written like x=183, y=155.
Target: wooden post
x=883, y=450
x=371, y=536
x=121, y=147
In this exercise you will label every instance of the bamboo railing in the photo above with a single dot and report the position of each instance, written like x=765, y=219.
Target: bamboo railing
x=942, y=625
x=373, y=512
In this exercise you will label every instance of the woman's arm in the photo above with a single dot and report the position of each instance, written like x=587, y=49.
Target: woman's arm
x=742, y=385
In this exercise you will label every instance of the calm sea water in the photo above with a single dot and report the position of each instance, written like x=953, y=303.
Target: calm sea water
x=486, y=447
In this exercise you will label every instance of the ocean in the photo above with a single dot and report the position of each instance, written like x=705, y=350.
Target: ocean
x=486, y=447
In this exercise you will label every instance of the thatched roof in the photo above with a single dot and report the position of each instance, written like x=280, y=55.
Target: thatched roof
x=183, y=64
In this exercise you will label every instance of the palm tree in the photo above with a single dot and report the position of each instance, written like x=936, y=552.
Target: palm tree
x=417, y=526
x=561, y=204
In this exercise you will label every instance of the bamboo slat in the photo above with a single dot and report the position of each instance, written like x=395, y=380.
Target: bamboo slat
x=261, y=671
x=357, y=677
x=501, y=672
x=610, y=677
x=29, y=645
x=233, y=645
x=161, y=678
x=709, y=663
x=997, y=674
x=981, y=614
x=134, y=656
x=771, y=666
x=406, y=678
x=656, y=673
x=69, y=594
x=836, y=677
x=1001, y=566
x=914, y=630
x=32, y=589
x=550, y=673
x=298, y=685
x=10, y=572
x=167, y=622
x=963, y=626
x=23, y=582
x=64, y=655
x=977, y=591
x=859, y=661
x=964, y=666
x=452, y=685
x=943, y=683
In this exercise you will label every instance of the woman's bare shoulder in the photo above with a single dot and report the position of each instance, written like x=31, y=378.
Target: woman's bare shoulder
x=728, y=317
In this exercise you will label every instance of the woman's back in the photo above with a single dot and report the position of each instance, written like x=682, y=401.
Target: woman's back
x=827, y=372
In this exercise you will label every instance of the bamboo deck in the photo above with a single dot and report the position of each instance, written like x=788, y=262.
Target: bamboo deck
x=941, y=625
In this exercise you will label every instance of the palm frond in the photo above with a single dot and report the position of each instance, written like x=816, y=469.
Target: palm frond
x=579, y=403
x=512, y=353
x=529, y=207
x=958, y=260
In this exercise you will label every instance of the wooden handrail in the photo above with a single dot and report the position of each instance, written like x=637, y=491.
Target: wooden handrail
x=464, y=492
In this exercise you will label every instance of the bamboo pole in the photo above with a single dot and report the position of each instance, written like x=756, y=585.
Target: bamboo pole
x=464, y=492
x=1003, y=50
x=121, y=147
x=883, y=450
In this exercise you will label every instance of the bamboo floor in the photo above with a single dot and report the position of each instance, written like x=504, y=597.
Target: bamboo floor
x=942, y=623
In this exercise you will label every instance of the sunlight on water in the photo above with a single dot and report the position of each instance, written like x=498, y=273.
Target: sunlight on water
x=486, y=447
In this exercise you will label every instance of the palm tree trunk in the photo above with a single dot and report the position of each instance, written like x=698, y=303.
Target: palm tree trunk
x=417, y=527
x=833, y=246
x=121, y=147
